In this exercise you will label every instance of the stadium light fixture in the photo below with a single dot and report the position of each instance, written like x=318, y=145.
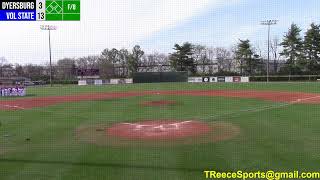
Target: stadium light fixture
x=49, y=28
x=268, y=23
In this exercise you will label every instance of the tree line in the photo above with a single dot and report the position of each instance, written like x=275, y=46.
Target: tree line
x=300, y=55
x=295, y=54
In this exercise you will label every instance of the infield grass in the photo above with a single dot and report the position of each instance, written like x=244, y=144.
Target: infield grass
x=283, y=138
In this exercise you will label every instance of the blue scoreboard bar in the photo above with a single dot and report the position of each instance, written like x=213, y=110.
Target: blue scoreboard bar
x=18, y=10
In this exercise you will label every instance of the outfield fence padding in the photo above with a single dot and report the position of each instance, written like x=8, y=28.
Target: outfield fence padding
x=157, y=77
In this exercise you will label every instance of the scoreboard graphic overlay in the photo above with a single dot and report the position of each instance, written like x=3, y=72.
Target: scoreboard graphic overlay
x=40, y=10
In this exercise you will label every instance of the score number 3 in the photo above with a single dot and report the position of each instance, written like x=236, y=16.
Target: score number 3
x=40, y=5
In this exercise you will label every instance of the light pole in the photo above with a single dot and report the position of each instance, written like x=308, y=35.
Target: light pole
x=49, y=28
x=268, y=23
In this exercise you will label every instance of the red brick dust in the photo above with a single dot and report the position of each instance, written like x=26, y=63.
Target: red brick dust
x=157, y=133
x=38, y=102
x=159, y=103
x=287, y=97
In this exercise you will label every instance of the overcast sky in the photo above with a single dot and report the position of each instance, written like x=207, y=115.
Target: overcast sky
x=156, y=25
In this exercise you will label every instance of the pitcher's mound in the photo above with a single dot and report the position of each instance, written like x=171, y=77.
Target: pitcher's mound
x=158, y=133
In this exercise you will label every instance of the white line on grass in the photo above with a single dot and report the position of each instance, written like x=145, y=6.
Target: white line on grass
x=136, y=124
x=259, y=109
x=299, y=100
x=9, y=106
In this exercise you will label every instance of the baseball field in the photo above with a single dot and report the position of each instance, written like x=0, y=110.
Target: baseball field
x=167, y=131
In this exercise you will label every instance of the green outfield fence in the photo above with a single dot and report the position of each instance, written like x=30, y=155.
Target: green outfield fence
x=156, y=77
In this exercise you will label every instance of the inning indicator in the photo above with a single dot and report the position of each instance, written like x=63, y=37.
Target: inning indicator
x=40, y=10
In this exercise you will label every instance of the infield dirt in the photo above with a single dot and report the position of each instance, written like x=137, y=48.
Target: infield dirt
x=287, y=97
x=157, y=133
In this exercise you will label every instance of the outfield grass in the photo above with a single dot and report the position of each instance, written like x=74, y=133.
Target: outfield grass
x=71, y=89
x=284, y=138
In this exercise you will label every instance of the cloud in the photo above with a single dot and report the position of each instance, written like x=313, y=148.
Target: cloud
x=245, y=32
x=111, y=23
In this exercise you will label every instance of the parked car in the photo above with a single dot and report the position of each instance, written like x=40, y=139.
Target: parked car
x=28, y=83
x=39, y=82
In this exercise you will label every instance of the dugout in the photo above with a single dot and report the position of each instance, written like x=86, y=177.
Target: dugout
x=158, y=77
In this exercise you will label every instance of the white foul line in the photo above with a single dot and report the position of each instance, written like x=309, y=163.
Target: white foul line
x=299, y=100
x=262, y=108
x=9, y=106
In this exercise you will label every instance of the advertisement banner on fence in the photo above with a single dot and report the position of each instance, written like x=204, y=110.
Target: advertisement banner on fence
x=237, y=79
x=128, y=81
x=229, y=79
x=195, y=79
x=221, y=79
x=114, y=81
x=206, y=79
x=98, y=82
x=213, y=79
x=82, y=82
x=244, y=79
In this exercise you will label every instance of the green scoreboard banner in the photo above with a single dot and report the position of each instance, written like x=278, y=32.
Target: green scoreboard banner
x=40, y=10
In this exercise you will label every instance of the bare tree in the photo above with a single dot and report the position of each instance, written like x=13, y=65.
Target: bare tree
x=147, y=63
x=257, y=48
x=200, y=56
x=8, y=70
x=224, y=60
x=19, y=70
x=106, y=69
x=34, y=72
x=155, y=62
x=46, y=70
x=113, y=57
x=123, y=61
x=210, y=53
x=93, y=62
x=3, y=61
x=162, y=61
x=66, y=69
x=134, y=59
x=274, y=47
x=82, y=63
x=88, y=62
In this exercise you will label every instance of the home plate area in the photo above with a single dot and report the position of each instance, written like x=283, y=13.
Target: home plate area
x=155, y=130
x=157, y=133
